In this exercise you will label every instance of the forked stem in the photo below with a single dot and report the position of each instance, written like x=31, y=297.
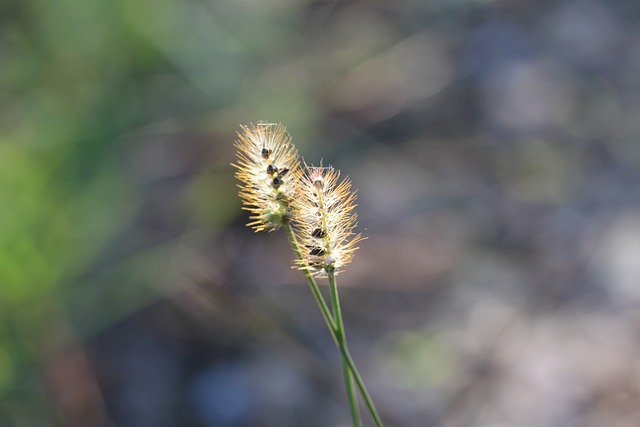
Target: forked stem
x=336, y=333
x=328, y=318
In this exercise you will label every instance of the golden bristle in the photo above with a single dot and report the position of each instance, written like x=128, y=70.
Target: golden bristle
x=269, y=171
x=323, y=214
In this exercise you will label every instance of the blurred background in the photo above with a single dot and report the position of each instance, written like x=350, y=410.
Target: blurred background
x=494, y=146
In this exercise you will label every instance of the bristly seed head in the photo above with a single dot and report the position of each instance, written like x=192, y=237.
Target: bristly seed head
x=323, y=214
x=263, y=150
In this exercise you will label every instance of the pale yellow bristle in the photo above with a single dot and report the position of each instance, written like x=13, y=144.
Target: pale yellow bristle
x=324, y=217
x=269, y=171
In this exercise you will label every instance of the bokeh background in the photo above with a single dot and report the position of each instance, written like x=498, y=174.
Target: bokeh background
x=494, y=145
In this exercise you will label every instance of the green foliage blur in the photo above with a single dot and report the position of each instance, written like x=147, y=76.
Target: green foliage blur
x=76, y=79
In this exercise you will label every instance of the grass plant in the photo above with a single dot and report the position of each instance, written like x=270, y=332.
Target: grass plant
x=316, y=209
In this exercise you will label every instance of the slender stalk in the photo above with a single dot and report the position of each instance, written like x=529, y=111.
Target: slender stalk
x=360, y=383
x=351, y=394
x=342, y=337
x=328, y=318
x=331, y=324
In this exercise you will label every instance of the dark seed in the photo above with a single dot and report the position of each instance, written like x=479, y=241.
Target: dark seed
x=277, y=182
x=266, y=153
x=318, y=233
x=318, y=265
x=271, y=169
x=283, y=172
x=316, y=252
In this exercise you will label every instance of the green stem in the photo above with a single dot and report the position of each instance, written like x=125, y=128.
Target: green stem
x=342, y=337
x=328, y=318
x=331, y=324
x=360, y=383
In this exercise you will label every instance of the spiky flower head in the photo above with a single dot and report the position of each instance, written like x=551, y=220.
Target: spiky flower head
x=269, y=171
x=323, y=213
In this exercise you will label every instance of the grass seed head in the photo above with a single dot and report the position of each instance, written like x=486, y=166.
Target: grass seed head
x=323, y=214
x=269, y=171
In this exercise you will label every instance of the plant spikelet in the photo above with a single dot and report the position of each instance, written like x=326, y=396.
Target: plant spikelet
x=323, y=214
x=269, y=171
